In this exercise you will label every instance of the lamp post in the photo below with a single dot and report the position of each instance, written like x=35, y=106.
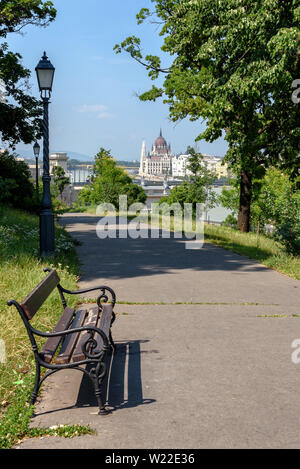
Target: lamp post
x=45, y=74
x=36, y=151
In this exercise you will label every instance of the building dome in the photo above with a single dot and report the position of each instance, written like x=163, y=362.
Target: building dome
x=160, y=145
x=159, y=161
x=160, y=142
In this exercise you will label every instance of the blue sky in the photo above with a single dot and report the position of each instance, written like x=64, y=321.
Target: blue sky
x=93, y=103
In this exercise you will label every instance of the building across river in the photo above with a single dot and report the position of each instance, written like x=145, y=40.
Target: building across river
x=160, y=162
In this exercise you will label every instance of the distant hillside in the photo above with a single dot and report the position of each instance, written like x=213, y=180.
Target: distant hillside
x=128, y=163
x=76, y=157
x=28, y=154
x=73, y=163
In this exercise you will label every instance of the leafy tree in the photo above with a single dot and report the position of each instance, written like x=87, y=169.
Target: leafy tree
x=16, y=189
x=279, y=200
x=278, y=196
x=197, y=188
x=233, y=65
x=20, y=113
x=60, y=179
x=276, y=200
x=109, y=182
x=230, y=221
x=179, y=194
x=229, y=198
x=84, y=196
x=201, y=179
x=134, y=194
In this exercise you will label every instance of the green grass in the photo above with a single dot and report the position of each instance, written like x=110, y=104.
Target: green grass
x=276, y=315
x=158, y=303
x=20, y=271
x=259, y=247
x=76, y=207
x=163, y=303
x=15, y=420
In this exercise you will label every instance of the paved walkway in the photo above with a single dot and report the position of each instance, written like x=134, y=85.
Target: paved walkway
x=213, y=373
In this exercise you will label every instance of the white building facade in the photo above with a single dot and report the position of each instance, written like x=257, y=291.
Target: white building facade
x=58, y=159
x=159, y=161
x=179, y=166
x=213, y=163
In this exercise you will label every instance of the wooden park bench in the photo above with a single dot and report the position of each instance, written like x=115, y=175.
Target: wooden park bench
x=81, y=338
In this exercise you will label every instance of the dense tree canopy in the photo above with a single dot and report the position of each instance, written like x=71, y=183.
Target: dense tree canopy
x=233, y=65
x=16, y=189
x=20, y=113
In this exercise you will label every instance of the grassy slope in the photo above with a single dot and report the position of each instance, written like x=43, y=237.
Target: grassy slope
x=258, y=247
x=20, y=271
x=261, y=248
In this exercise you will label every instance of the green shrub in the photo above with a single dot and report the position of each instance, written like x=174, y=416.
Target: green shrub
x=230, y=221
x=289, y=235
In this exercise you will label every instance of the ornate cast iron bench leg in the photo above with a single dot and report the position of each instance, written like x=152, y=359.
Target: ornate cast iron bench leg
x=97, y=375
x=37, y=383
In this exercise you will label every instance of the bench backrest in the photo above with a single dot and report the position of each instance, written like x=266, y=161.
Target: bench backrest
x=38, y=296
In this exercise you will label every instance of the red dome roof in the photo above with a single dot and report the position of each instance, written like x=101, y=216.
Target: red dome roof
x=160, y=142
x=160, y=146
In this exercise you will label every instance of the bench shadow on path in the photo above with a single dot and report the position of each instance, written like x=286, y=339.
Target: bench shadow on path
x=122, y=386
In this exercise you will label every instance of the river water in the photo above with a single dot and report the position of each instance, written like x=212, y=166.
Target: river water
x=217, y=213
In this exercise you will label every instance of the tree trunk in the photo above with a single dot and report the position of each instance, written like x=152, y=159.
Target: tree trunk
x=245, y=201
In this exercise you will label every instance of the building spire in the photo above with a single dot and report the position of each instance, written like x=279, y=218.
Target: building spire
x=143, y=158
x=160, y=134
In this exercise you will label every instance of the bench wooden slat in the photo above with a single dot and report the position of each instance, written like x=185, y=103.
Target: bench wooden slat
x=52, y=343
x=105, y=322
x=38, y=296
x=71, y=339
x=91, y=320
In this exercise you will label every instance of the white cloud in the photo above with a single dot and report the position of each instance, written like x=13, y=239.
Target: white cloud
x=92, y=108
x=99, y=110
x=105, y=115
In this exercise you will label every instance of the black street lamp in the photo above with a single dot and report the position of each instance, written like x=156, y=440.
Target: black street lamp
x=45, y=73
x=36, y=151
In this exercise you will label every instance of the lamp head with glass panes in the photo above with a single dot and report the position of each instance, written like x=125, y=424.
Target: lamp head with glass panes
x=45, y=74
x=36, y=149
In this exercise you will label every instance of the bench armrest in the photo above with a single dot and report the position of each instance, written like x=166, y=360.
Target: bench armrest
x=101, y=298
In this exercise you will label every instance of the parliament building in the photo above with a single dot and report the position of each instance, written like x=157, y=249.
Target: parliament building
x=159, y=161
